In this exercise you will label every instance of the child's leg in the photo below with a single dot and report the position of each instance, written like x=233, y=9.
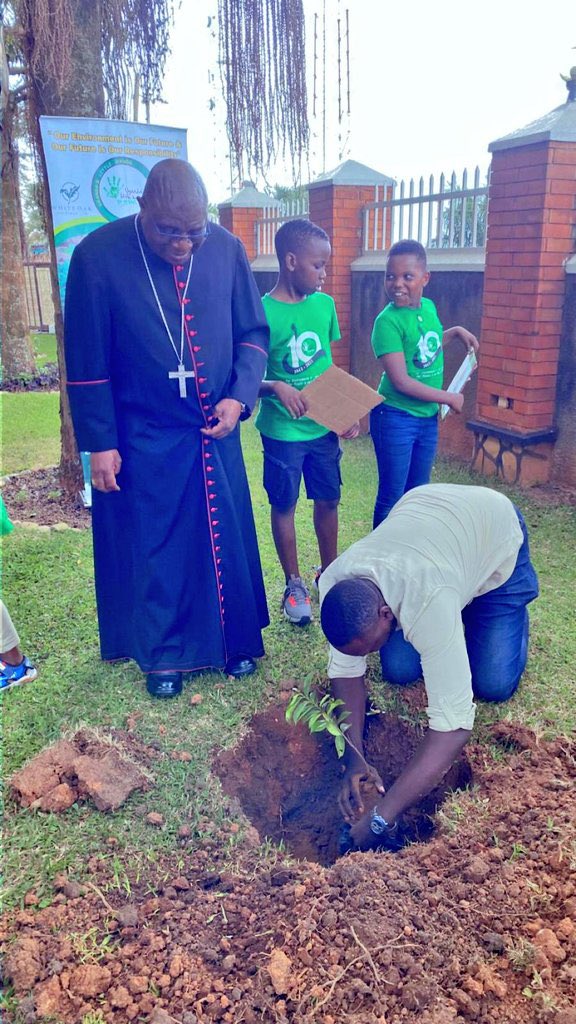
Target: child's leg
x=394, y=433
x=323, y=481
x=326, y=527
x=423, y=452
x=282, y=474
x=284, y=534
x=9, y=639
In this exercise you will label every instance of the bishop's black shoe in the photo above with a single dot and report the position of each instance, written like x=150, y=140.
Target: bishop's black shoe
x=240, y=666
x=164, y=684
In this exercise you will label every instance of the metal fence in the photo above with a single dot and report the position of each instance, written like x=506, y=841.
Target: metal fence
x=273, y=217
x=39, y=295
x=450, y=216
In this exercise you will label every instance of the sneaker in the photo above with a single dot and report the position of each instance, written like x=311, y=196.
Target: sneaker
x=14, y=675
x=296, y=602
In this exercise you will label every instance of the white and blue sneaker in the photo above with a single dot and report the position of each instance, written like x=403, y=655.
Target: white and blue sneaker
x=15, y=675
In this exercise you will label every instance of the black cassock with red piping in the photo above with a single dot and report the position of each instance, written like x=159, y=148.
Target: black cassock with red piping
x=178, y=578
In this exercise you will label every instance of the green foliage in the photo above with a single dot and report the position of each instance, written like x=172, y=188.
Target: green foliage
x=320, y=714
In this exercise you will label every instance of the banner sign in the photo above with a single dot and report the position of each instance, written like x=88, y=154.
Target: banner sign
x=96, y=171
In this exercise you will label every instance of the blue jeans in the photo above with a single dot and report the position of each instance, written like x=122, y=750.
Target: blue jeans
x=405, y=447
x=496, y=628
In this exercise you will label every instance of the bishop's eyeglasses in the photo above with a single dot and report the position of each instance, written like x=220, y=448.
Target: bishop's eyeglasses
x=175, y=234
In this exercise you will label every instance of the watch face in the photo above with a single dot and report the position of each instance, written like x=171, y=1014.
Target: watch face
x=378, y=824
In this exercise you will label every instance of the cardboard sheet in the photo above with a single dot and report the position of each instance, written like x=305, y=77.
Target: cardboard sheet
x=337, y=400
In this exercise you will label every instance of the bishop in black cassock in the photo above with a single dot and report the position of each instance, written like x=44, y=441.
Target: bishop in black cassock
x=163, y=358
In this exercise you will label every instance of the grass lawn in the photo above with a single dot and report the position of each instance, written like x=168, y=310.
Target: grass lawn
x=44, y=349
x=30, y=430
x=49, y=589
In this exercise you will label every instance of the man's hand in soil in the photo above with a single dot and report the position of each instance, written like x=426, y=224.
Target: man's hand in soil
x=363, y=837
x=359, y=778
x=425, y=769
x=358, y=775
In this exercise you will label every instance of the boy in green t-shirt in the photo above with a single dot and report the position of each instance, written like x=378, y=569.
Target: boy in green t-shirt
x=407, y=338
x=303, y=324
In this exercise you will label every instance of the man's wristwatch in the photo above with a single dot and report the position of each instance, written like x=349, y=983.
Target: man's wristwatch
x=379, y=825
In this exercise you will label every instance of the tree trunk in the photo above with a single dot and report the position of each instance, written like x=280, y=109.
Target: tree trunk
x=83, y=96
x=17, y=350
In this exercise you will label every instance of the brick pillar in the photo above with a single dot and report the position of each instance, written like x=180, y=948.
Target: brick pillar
x=240, y=214
x=335, y=204
x=531, y=232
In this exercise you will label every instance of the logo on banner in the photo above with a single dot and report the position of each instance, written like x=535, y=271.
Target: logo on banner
x=116, y=185
x=70, y=191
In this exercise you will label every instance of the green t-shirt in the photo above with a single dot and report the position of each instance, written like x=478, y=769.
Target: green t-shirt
x=300, y=337
x=417, y=333
x=5, y=525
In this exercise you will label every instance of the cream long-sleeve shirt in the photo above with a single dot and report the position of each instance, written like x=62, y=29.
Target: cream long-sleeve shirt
x=441, y=546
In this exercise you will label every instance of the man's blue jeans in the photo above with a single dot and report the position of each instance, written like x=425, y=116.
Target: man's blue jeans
x=496, y=629
x=405, y=447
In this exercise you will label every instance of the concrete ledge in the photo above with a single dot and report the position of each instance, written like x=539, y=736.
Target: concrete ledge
x=469, y=260
x=570, y=265
x=514, y=436
x=265, y=263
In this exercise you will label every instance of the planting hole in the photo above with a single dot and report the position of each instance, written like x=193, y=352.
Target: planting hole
x=287, y=781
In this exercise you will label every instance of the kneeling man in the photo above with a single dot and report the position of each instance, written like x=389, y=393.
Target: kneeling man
x=440, y=588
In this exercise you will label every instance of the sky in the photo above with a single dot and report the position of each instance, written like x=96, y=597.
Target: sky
x=432, y=83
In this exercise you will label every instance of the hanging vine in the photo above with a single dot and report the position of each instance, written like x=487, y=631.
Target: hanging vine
x=263, y=71
x=134, y=38
x=135, y=35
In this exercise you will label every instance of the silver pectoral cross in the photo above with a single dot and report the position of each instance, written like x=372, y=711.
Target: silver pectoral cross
x=180, y=375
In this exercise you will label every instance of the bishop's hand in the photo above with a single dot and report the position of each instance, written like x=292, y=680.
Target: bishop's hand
x=104, y=467
x=227, y=413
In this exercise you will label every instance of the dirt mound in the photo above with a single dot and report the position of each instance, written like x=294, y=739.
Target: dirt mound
x=104, y=768
x=35, y=496
x=287, y=781
x=479, y=924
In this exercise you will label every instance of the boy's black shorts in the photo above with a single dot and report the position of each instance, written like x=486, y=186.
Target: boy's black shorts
x=286, y=461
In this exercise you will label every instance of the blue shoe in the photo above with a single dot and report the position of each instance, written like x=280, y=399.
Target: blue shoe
x=15, y=675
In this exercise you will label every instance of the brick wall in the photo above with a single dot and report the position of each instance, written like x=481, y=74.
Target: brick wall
x=241, y=222
x=531, y=224
x=519, y=411
x=337, y=209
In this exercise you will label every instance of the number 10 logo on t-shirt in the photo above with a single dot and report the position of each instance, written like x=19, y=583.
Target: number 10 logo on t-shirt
x=303, y=350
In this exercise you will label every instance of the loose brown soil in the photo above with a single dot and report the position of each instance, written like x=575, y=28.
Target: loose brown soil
x=287, y=781
x=477, y=924
x=103, y=768
x=35, y=496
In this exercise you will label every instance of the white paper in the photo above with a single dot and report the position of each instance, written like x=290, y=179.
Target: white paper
x=460, y=378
